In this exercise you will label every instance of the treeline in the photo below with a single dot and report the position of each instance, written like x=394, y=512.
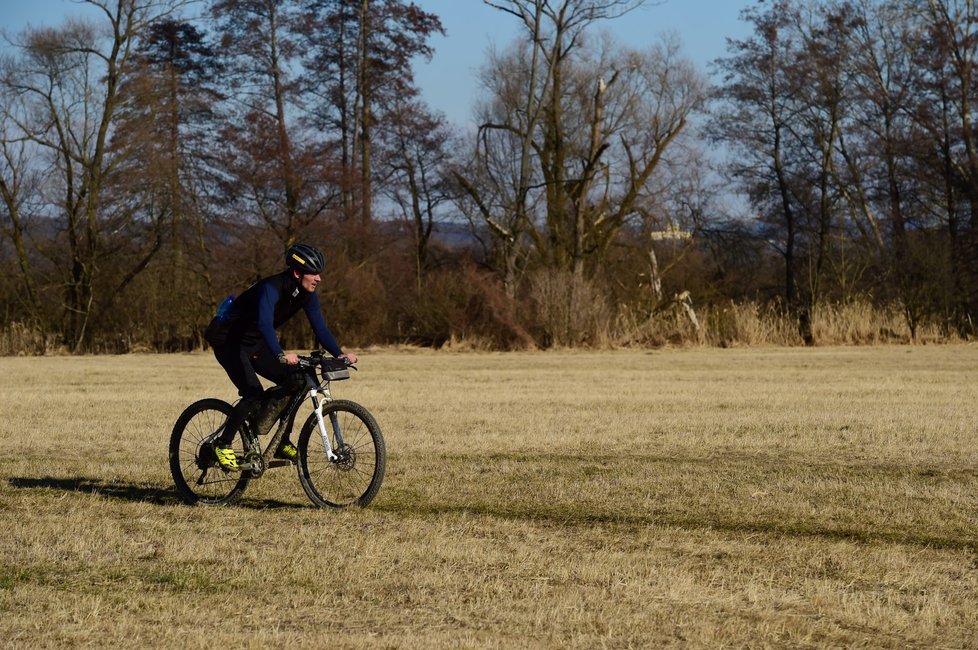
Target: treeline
x=151, y=165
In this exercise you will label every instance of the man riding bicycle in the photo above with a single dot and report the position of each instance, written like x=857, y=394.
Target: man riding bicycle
x=246, y=345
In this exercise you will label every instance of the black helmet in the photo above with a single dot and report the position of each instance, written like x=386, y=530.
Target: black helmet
x=305, y=259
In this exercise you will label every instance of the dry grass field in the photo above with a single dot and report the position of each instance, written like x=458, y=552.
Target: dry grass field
x=793, y=498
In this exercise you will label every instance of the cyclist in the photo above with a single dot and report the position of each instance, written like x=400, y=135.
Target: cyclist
x=246, y=345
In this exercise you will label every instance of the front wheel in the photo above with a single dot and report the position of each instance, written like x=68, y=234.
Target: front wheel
x=196, y=474
x=354, y=478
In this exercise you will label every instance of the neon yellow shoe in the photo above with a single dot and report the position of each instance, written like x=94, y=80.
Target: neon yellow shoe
x=287, y=451
x=226, y=458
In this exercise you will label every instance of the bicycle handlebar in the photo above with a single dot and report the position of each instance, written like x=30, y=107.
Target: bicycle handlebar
x=318, y=359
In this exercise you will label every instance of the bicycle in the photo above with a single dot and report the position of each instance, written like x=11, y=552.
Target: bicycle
x=339, y=465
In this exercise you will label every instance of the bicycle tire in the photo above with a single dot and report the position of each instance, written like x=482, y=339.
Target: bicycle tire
x=196, y=479
x=355, y=479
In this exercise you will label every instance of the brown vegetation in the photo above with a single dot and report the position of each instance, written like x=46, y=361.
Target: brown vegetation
x=151, y=165
x=468, y=312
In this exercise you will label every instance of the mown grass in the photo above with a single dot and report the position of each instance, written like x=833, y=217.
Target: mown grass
x=696, y=498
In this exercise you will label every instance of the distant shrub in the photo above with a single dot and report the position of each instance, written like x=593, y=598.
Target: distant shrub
x=570, y=311
x=749, y=323
x=466, y=308
x=21, y=339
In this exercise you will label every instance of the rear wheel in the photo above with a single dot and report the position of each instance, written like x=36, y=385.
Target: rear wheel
x=198, y=477
x=355, y=477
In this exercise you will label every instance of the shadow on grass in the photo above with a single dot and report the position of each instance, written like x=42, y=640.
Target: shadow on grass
x=535, y=471
x=563, y=517
x=132, y=492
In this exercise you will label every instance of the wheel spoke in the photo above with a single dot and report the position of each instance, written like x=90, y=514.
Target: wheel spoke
x=197, y=425
x=355, y=477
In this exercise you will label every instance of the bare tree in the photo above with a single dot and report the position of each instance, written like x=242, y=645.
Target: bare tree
x=555, y=32
x=166, y=124
x=854, y=121
x=67, y=83
x=497, y=184
x=259, y=41
x=759, y=104
x=945, y=115
x=359, y=71
x=20, y=183
x=572, y=133
x=419, y=160
x=635, y=125
x=875, y=178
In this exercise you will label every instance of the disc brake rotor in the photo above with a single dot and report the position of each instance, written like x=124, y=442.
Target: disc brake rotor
x=346, y=458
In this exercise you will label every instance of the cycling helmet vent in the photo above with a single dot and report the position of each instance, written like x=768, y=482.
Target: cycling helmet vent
x=305, y=259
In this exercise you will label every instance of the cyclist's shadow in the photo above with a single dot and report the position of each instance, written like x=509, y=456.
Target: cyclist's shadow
x=123, y=491
x=112, y=489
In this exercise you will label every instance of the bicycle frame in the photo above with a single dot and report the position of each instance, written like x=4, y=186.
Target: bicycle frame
x=286, y=422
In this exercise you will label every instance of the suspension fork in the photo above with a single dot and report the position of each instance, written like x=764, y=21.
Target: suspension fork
x=317, y=408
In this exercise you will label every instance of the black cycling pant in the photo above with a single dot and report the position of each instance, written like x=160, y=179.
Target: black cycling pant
x=243, y=366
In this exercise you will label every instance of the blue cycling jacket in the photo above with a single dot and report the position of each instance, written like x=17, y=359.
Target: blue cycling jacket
x=252, y=318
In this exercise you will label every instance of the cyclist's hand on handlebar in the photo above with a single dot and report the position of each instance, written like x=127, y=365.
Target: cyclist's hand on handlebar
x=290, y=358
x=349, y=357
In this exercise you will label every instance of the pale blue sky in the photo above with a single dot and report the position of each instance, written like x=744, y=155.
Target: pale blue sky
x=449, y=81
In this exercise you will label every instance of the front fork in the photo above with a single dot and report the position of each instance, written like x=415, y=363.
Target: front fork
x=317, y=408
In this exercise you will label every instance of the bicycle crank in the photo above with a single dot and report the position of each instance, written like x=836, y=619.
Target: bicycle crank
x=254, y=464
